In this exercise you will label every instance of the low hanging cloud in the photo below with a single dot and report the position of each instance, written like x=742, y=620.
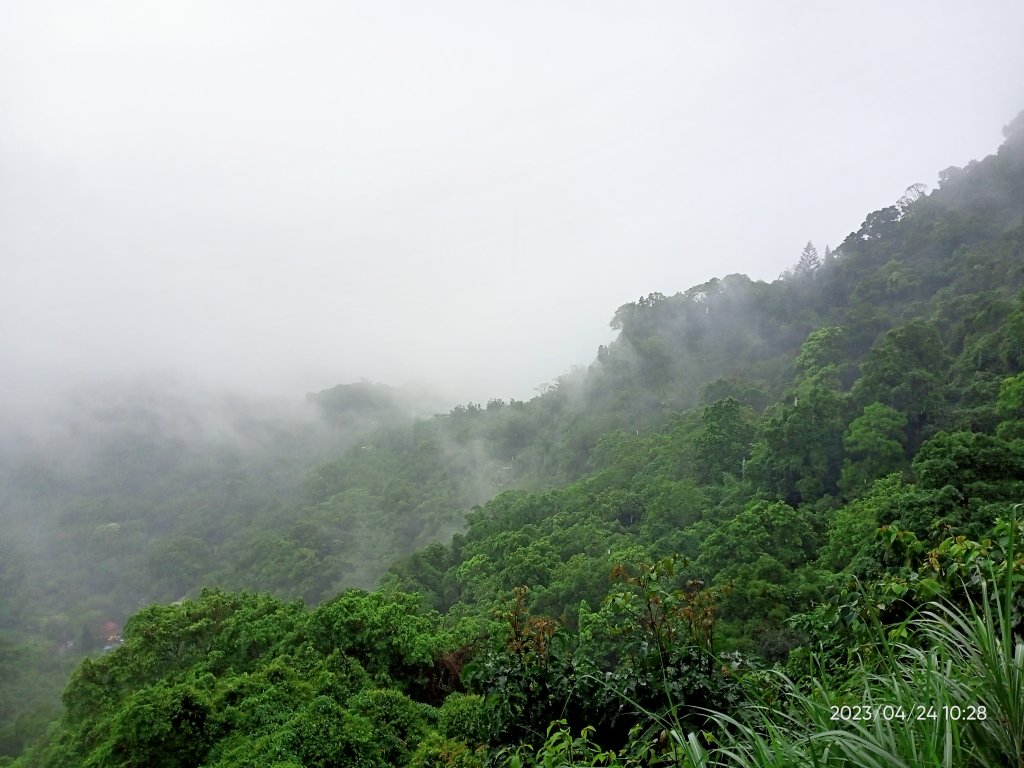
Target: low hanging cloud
x=277, y=197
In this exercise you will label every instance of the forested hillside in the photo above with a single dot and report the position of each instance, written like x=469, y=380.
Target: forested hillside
x=142, y=494
x=753, y=476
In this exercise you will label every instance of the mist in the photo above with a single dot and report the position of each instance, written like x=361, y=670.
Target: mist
x=271, y=198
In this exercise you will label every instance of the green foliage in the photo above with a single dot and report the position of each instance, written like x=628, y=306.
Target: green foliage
x=851, y=536
x=951, y=693
x=561, y=748
x=978, y=466
x=1011, y=408
x=29, y=691
x=904, y=372
x=239, y=679
x=664, y=629
x=160, y=724
x=396, y=722
x=787, y=492
x=526, y=673
x=727, y=429
x=800, y=455
x=466, y=718
x=385, y=632
x=873, y=448
x=438, y=752
x=323, y=734
x=823, y=356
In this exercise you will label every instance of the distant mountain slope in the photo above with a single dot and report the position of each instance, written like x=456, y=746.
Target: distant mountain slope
x=734, y=409
x=899, y=355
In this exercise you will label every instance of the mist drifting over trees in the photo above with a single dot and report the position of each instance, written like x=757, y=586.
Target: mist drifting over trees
x=322, y=441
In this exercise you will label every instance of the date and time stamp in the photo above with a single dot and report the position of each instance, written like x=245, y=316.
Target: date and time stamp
x=898, y=712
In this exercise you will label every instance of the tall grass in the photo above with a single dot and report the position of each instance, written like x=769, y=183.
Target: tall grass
x=952, y=696
x=956, y=699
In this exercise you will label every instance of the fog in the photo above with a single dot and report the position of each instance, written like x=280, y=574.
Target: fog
x=273, y=198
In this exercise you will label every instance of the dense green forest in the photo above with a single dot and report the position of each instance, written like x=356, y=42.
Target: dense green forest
x=771, y=524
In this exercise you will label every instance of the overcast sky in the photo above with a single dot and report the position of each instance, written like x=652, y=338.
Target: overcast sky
x=281, y=196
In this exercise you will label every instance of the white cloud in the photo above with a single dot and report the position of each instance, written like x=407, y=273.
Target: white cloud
x=283, y=196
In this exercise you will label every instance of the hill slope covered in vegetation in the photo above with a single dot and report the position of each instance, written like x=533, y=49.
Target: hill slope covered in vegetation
x=750, y=475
